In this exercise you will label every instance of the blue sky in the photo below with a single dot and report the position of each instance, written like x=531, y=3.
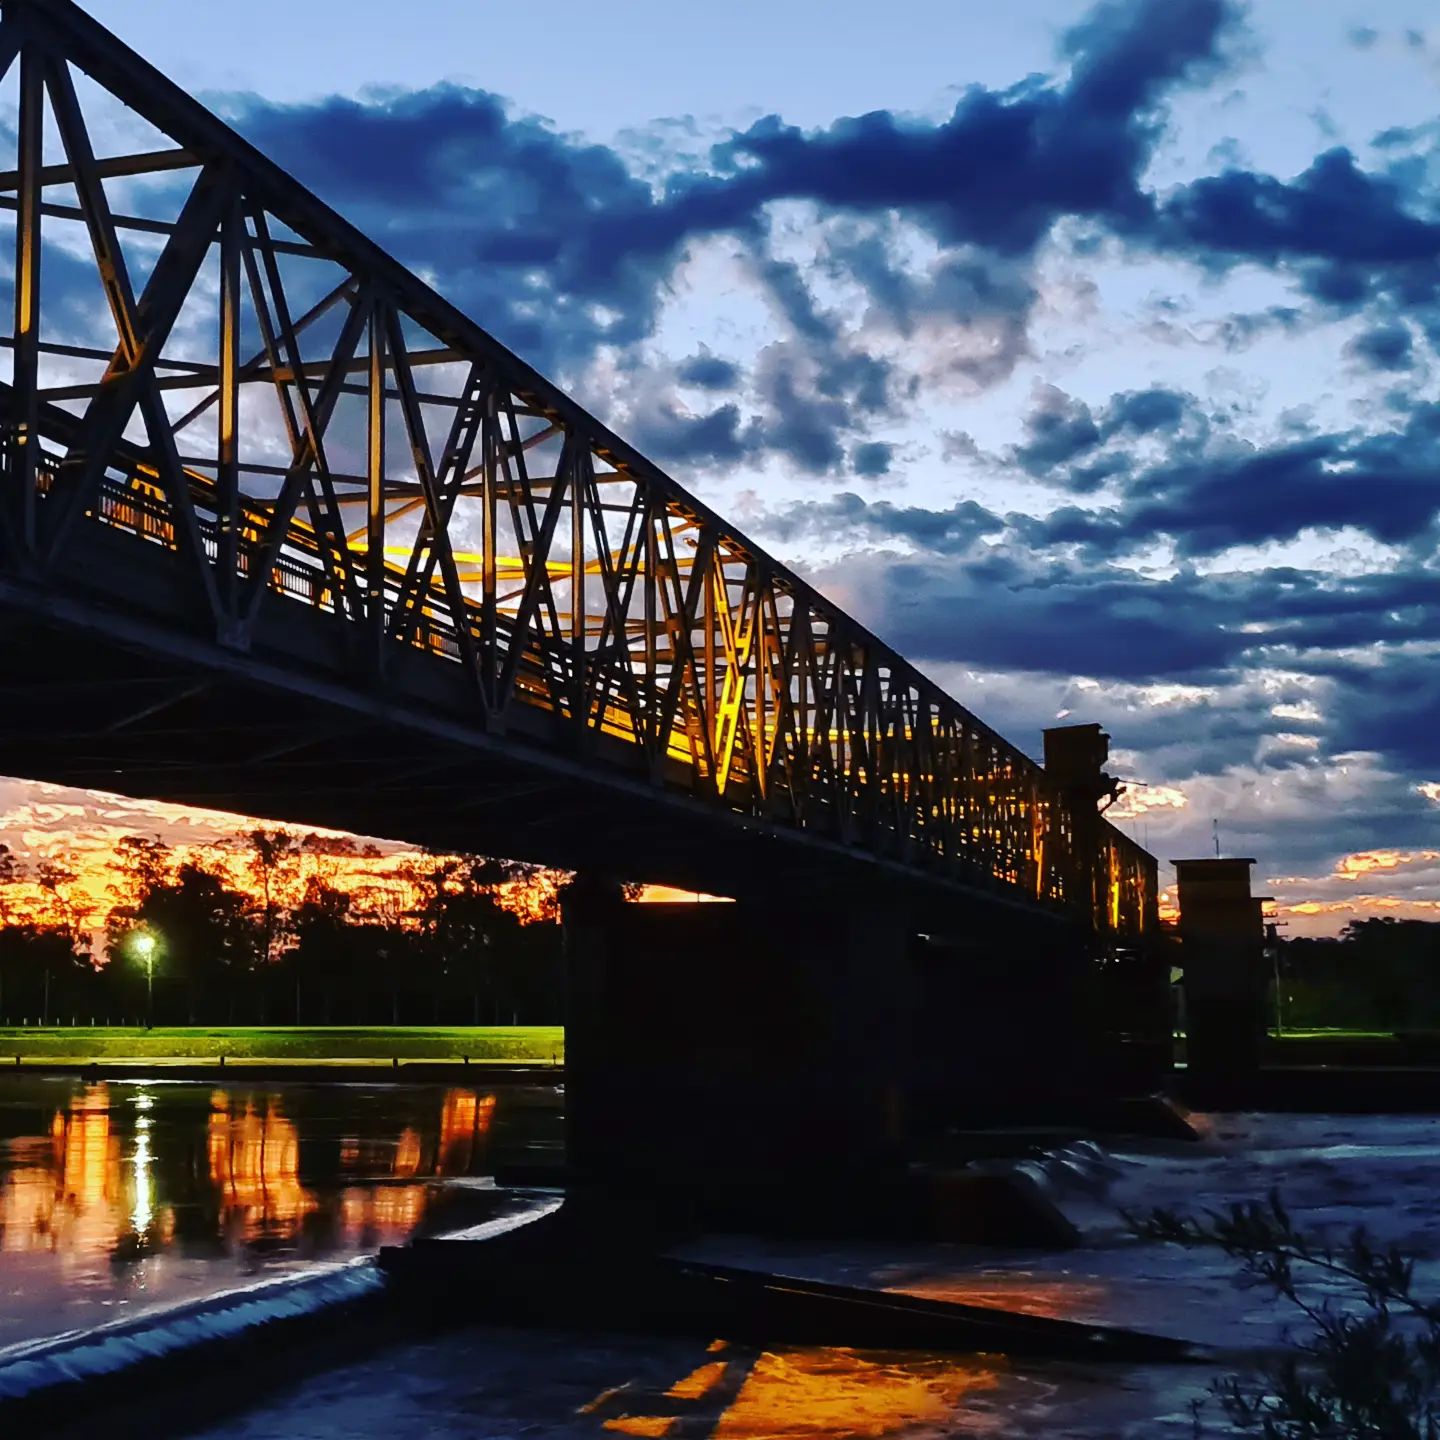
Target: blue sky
x=1094, y=364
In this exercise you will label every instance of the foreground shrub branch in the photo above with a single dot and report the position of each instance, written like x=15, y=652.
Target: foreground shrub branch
x=1369, y=1364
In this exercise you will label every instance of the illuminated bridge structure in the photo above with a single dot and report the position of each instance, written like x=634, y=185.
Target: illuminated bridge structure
x=302, y=541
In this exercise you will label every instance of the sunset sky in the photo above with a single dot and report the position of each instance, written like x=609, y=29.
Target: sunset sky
x=1087, y=354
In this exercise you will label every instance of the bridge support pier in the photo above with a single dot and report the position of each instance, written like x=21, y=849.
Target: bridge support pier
x=1007, y=1031
x=741, y=1052
x=1222, y=940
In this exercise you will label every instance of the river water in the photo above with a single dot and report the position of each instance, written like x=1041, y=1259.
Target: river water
x=116, y=1198
x=485, y=1384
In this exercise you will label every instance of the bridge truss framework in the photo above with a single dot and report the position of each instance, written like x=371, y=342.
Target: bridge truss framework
x=289, y=418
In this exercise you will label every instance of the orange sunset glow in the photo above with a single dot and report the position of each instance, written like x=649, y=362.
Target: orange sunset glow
x=78, y=831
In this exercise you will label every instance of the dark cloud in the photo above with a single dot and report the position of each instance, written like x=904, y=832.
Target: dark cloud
x=1384, y=347
x=708, y=372
x=1108, y=622
x=1000, y=611
x=1144, y=412
x=783, y=281
x=558, y=247
x=1005, y=164
x=811, y=408
x=1236, y=332
x=1350, y=235
x=846, y=517
x=676, y=436
x=803, y=423
x=872, y=459
x=1057, y=430
x=1205, y=492
x=553, y=244
x=1064, y=437
x=1385, y=485
x=1392, y=709
x=485, y=201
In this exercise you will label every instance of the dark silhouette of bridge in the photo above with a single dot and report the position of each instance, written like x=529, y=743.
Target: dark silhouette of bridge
x=304, y=542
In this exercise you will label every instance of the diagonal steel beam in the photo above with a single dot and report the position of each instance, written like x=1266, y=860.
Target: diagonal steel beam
x=436, y=530
x=294, y=483
x=143, y=328
x=459, y=447
x=325, y=515
x=255, y=367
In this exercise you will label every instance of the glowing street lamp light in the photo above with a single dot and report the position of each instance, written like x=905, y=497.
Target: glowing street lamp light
x=144, y=948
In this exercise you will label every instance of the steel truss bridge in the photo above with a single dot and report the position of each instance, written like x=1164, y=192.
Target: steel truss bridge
x=284, y=532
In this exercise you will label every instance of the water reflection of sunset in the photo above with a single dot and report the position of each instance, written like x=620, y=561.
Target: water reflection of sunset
x=68, y=1198
x=819, y=1392
x=407, y=1152
x=255, y=1163
x=452, y=1149
x=1055, y=1299
x=378, y=1214
x=115, y=1180
x=464, y=1120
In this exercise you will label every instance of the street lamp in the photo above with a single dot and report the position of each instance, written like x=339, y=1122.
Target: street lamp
x=144, y=948
x=1272, y=946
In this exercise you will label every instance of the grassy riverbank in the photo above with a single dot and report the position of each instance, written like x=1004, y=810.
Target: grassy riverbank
x=500, y=1044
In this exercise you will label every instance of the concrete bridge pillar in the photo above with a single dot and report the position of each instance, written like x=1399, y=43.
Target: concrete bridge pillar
x=1008, y=1030
x=1222, y=945
x=737, y=1043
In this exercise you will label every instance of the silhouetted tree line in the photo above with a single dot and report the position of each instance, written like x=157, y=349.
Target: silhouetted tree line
x=1381, y=974
x=278, y=928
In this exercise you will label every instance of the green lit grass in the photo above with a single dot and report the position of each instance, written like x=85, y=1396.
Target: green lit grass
x=496, y=1044
x=1335, y=1033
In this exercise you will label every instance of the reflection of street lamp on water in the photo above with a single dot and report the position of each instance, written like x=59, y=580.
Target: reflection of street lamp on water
x=144, y=947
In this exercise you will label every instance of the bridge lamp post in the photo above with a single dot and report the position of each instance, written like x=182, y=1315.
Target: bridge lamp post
x=144, y=947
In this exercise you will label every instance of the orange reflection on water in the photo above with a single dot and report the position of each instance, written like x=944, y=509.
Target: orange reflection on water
x=90, y=1155
x=842, y=1393
x=810, y=1392
x=1055, y=1299
x=97, y=1185
x=699, y=1382
x=255, y=1164
x=407, y=1152
x=382, y=1212
x=359, y=1156
x=464, y=1120
x=643, y=1425
x=65, y=1200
